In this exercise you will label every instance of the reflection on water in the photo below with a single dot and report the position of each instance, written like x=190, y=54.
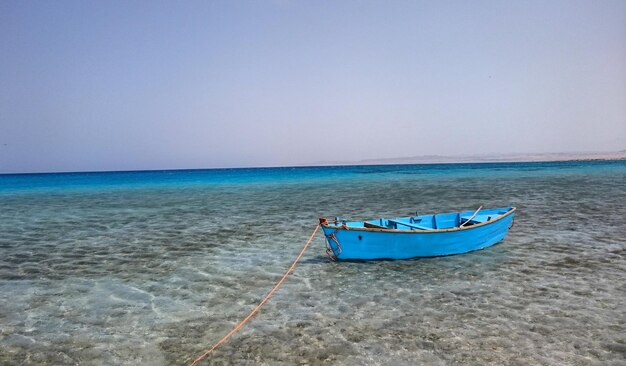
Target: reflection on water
x=156, y=274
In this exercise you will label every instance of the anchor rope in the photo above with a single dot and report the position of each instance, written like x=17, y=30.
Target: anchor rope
x=256, y=308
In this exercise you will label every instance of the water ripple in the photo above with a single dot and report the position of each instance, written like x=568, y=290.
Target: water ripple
x=154, y=276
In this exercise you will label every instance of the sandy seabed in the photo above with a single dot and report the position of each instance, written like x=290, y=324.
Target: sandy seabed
x=157, y=274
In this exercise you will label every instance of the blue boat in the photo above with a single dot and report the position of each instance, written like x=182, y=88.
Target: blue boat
x=416, y=236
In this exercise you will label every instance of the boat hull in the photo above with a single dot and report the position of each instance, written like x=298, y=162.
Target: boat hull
x=366, y=244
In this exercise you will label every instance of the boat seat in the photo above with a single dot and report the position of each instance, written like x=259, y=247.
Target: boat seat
x=478, y=218
x=412, y=226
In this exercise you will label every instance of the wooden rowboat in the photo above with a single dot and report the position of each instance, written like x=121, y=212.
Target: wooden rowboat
x=416, y=236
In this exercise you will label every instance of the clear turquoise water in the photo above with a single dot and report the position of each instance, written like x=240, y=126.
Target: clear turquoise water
x=154, y=267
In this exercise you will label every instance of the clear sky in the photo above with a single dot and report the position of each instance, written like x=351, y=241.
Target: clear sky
x=117, y=85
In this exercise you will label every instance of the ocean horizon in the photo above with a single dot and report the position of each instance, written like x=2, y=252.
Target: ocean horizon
x=153, y=267
x=561, y=157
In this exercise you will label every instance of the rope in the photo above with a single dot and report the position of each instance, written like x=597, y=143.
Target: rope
x=330, y=252
x=267, y=297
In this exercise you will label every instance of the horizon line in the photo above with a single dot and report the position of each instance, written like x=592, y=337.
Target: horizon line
x=488, y=159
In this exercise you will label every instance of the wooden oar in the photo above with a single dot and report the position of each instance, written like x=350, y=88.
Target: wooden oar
x=470, y=219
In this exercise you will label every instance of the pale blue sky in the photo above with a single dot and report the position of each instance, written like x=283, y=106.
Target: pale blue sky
x=117, y=85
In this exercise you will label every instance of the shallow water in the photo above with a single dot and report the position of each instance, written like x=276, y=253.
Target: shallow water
x=153, y=268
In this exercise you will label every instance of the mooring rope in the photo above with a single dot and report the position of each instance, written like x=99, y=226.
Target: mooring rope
x=267, y=297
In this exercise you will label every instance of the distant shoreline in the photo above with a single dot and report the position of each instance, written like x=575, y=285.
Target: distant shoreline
x=501, y=158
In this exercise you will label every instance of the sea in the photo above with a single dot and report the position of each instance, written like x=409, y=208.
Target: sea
x=154, y=267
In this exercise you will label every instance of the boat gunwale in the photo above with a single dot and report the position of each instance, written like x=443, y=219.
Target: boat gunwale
x=431, y=231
